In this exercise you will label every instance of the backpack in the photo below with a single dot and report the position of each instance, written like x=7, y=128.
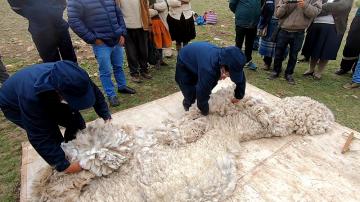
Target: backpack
x=210, y=17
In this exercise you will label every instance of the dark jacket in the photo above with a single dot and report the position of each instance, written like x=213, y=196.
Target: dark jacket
x=340, y=9
x=96, y=19
x=267, y=13
x=21, y=104
x=204, y=61
x=247, y=12
x=38, y=9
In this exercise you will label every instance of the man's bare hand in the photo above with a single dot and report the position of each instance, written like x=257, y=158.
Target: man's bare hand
x=122, y=41
x=235, y=101
x=301, y=3
x=73, y=168
x=99, y=42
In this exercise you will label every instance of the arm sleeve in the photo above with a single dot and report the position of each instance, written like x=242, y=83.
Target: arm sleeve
x=153, y=12
x=203, y=91
x=283, y=9
x=45, y=136
x=267, y=13
x=101, y=108
x=338, y=6
x=17, y=6
x=121, y=20
x=75, y=15
x=174, y=3
x=233, y=5
x=313, y=9
x=160, y=6
x=239, y=92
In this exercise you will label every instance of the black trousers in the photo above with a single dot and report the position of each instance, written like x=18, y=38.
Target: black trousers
x=136, y=47
x=3, y=73
x=248, y=35
x=352, y=47
x=52, y=40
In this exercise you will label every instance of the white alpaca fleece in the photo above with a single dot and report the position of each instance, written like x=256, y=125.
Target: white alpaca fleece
x=195, y=158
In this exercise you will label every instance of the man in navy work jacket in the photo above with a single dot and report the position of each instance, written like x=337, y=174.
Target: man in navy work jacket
x=47, y=27
x=199, y=67
x=41, y=97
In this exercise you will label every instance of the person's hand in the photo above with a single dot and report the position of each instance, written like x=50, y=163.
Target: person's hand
x=235, y=101
x=122, y=41
x=99, y=42
x=108, y=120
x=301, y=3
x=73, y=168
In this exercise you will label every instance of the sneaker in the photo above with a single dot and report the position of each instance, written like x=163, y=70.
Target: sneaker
x=251, y=65
x=136, y=79
x=127, y=90
x=114, y=102
x=290, y=79
x=304, y=59
x=340, y=72
x=146, y=75
x=351, y=85
x=308, y=73
x=273, y=76
x=266, y=67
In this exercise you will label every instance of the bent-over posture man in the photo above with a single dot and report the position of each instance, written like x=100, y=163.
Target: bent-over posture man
x=41, y=97
x=201, y=65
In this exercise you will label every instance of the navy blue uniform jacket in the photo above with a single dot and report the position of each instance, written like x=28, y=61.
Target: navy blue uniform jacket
x=203, y=61
x=19, y=100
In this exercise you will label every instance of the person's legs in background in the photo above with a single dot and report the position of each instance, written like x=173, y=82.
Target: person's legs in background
x=355, y=83
x=321, y=67
x=117, y=61
x=240, y=36
x=282, y=42
x=296, y=41
x=132, y=55
x=267, y=63
x=250, y=36
x=65, y=44
x=142, y=38
x=103, y=56
x=187, y=83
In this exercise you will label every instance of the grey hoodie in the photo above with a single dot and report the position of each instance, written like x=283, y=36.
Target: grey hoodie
x=293, y=18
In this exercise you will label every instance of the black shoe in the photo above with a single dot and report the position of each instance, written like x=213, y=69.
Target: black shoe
x=114, y=102
x=273, y=76
x=290, y=79
x=340, y=72
x=146, y=75
x=127, y=90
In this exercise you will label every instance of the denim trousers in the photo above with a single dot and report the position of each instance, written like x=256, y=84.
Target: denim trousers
x=110, y=58
x=292, y=39
x=356, y=76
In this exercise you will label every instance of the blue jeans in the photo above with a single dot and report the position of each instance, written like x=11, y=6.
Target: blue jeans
x=285, y=39
x=356, y=76
x=110, y=58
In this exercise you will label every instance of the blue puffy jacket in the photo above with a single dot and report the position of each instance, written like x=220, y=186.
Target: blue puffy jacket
x=21, y=104
x=247, y=12
x=96, y=19
x=202, y=61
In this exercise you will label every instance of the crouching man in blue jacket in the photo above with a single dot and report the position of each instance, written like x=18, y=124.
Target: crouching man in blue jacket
x=41, y=97
x=199, y=67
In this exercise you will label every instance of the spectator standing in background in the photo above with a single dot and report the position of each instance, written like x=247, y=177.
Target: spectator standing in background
x=47, y=27
x=294, y=18
x=352, y=48
x=181, y=22
x=101, y=24
x=324, y=36
x=267, y=24
x=160, y=29
x=247, y=14
x=137, y=20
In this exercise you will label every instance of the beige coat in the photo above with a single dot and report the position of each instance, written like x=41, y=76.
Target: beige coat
x=293, y=18
x=161, y=9
x=176, y=9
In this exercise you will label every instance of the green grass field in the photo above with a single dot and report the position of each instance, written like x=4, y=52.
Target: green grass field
x=16, y=48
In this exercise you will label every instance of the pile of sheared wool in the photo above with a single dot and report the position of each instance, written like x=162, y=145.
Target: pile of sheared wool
x=100, y=148
x=194, y=158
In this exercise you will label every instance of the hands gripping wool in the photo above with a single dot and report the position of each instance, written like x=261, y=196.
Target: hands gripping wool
x=100, y=148
x=195, y=158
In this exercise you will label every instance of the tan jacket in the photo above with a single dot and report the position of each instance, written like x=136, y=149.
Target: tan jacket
x=129, y=17
x=161, y=9
x=293, y=18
